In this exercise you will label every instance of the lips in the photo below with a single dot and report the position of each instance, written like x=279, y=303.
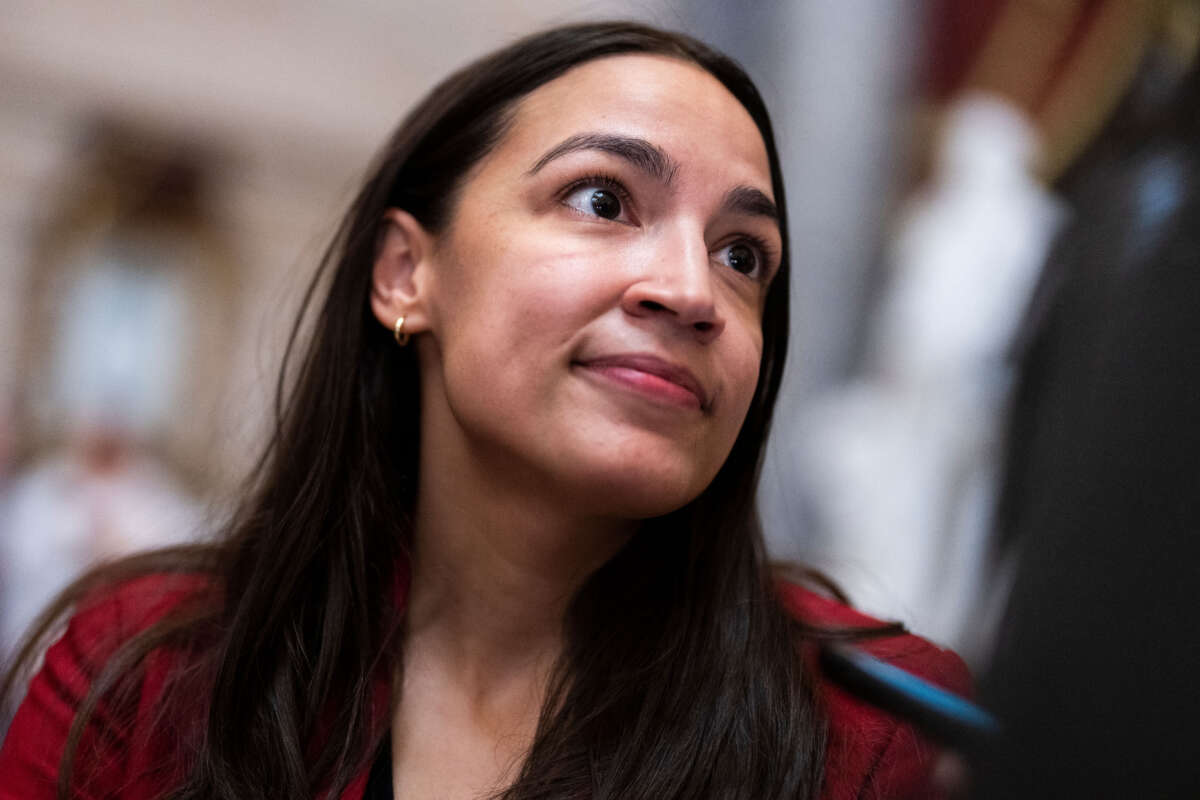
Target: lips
x=652, y=375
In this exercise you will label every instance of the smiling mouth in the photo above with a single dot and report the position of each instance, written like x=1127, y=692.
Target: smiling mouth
x=650, y=377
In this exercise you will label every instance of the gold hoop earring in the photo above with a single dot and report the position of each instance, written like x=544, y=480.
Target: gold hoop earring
x=398, y=332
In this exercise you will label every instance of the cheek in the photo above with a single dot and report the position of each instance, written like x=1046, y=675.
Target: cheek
x=507, y=317
x=744, y=363
x=528, y=286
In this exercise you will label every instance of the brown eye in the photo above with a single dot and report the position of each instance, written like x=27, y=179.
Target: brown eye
x=742, y=258
x=596, y=199
x=605, y=204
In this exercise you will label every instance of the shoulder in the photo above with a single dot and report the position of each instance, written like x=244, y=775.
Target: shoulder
x=103, y=621
x=107, y=617
x=869, y=753
x=905, y=650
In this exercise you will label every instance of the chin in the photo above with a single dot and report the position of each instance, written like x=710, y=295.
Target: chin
x=636, y=476
x=641, y=491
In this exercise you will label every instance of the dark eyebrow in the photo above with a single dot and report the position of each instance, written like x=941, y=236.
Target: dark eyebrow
x=751, y=202
x=643, y=155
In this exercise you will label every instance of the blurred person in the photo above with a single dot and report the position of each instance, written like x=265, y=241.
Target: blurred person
x=1095, y=665
x=502, y=541
x=99, y=488
x=130, y=299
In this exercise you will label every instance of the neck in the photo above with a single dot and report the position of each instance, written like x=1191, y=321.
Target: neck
x=494, y=569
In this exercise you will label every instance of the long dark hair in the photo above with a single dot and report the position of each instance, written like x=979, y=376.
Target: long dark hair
x=680, y=675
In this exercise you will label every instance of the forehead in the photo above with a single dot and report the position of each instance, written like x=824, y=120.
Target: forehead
x=673, y=103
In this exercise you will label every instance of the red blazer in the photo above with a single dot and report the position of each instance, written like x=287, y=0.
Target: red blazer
x=869, y=754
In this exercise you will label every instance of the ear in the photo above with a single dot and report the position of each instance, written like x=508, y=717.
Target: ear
x=400, y=279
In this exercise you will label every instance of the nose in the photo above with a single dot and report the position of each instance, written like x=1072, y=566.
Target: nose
x=677, y=287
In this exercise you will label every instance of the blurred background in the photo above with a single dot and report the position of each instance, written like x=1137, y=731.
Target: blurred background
x=171, y=172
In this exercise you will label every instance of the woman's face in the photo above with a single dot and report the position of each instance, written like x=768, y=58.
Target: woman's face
x=594, y=309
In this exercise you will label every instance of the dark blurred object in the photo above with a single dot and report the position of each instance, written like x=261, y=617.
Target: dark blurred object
x=1095, y=668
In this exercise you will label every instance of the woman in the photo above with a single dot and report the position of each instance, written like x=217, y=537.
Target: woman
x=503, y=541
